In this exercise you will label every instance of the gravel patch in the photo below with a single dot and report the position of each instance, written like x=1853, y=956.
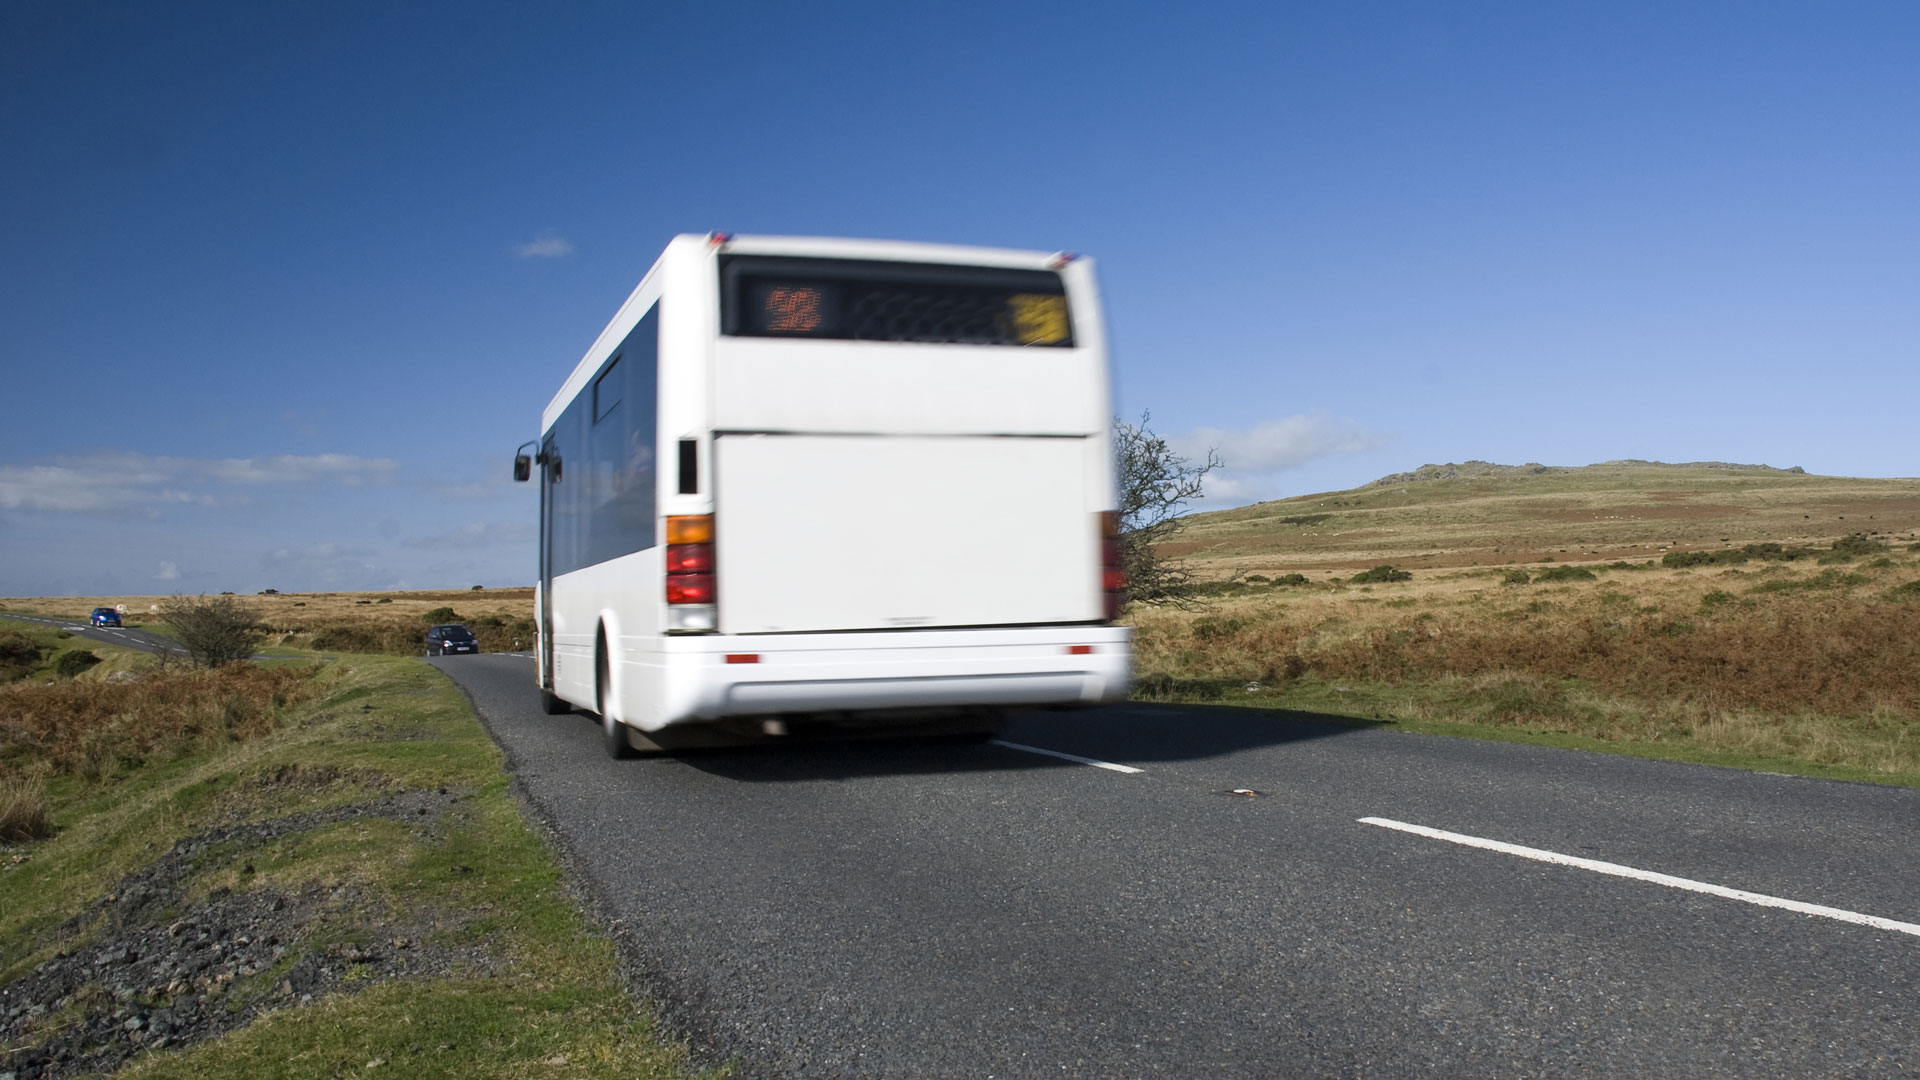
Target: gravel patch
x=163, y=971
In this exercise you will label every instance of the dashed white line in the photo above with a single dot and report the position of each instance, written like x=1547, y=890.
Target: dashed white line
x=1617, y=870
x=1069, y=757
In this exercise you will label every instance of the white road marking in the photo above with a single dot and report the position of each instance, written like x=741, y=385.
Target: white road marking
x=1070, y=757
x=1617, y=870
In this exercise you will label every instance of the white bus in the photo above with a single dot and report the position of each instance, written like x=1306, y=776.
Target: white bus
x=805, y=482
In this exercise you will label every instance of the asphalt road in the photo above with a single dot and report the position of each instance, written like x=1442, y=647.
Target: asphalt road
x=126, y=636
x=940, y=910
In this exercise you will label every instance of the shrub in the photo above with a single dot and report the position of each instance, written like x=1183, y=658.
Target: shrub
x=1825, y=579
x=1291, y=579
x=384, y=600
x=214, y=630
x=23, y=811
x=1857, y=546
x=1777, y=553
x=269, y=592
x=1566, y=573
x=19, y=654
x=73, y=663
x=1909, y=591
x=1722, y=557
x=1381, y=573
x=96, y=729
x=477, y=588
x=441, y=615
x=1716, y=598
x=1258, y=579
x=1216, y=628
x=1305, y=519
x=1515, y=577
x=1154, y=483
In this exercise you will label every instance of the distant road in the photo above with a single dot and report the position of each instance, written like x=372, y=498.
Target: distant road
x=127, y=636
x=1093, y=902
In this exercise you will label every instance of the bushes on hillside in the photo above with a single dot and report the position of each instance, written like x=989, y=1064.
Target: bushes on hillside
x=1381, y=573
x=1684, y=559
x=397, y=635
x=1857, y=546
x=1845, y=549
x=1566, y=573
x=73, y=663
x=19, y=654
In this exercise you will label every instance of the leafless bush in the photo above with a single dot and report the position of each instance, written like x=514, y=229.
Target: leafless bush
x=1155, y=483
x=214, y=630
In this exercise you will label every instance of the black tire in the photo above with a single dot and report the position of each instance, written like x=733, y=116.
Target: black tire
x=613, y=733
x=551, y=704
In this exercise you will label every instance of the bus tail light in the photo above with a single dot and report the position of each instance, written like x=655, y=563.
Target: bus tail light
x=691, y=587
x=1113, y=574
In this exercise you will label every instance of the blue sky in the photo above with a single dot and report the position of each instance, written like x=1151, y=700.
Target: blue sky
x=284, y=285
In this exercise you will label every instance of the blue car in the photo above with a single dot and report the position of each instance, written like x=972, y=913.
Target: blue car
x=104, y=616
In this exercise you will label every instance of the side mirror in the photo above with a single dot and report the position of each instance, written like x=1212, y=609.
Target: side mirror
x=522, y=467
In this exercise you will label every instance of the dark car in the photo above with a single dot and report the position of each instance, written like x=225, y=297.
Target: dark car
x=104, y=616
x=451, y=638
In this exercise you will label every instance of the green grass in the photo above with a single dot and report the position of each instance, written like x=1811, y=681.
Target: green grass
x=55, y=643
x=477, y=875
x=1561, y=713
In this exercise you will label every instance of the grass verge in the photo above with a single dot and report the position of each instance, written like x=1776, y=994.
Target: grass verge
x=1809, y=671
x=340, y=884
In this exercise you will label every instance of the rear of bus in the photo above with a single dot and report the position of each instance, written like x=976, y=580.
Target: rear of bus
x=888, y=492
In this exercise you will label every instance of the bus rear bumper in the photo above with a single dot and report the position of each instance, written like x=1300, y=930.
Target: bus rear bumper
x=716, y=677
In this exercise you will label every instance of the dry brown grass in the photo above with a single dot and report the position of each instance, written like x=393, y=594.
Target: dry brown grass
x=1819, y=665
x=23, y=811
x=394, y=623
x=1596, y=512
x=95, y=730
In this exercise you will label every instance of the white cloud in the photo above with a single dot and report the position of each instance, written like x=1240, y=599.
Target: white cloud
x=332, y=565
x=478, y=489
x=548, y=244
x=1252, y=458
x=123, y=481
x=168, y=572
x=479, y=534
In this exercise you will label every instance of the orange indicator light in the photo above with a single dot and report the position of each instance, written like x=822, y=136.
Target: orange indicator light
x=793, y=310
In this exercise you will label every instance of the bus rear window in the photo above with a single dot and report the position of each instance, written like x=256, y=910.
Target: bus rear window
x=854, y=300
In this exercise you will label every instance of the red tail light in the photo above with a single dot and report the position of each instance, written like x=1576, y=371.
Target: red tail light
x=690, y=578
x=1113, y=574
x=689, y=558
x=690, y=588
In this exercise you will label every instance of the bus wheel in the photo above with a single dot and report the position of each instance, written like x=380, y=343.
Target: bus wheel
x=552, y=704
x=613, y=732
